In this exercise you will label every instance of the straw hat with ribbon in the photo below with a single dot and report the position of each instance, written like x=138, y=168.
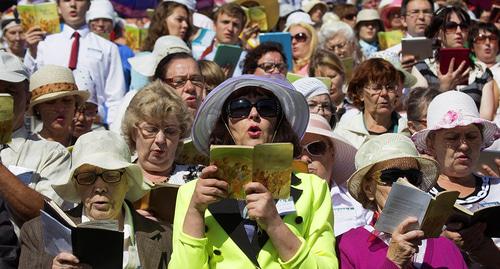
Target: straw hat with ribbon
x=51, y=82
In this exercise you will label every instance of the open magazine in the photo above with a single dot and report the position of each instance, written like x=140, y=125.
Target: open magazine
x=96, y=243
x=43, y=15
x=269, y=164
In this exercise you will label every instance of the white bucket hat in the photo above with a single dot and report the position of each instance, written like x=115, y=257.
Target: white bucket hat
x=297, y=17
x=164, y=46
x=293, y=105
x=344, y=152
x=453, y=109
x=393, y=58
x=107, y=150
x=310, y=87
x=307, y=5
x=101, y=9
x=387, y=147
x=51, y=82
x=369, y=15
x=11, y=68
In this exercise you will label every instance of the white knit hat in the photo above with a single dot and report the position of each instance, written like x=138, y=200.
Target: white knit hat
x=51, y=82
x=297, y=17
x=164, y=46
x=101, y=9
x=310, y=87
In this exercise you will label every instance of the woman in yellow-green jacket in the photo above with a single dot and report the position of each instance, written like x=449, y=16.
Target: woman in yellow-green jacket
x=211, y=231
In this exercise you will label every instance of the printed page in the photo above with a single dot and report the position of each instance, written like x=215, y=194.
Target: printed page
x=273, y=168
x=438, y=213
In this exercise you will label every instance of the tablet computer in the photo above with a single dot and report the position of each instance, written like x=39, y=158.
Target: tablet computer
x=420, y=47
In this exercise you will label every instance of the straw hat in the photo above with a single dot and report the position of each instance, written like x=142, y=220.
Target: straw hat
x=453, y=109
x=146, y=64
x=310, y=87
x=270, y=6
x=368, y=15
x=387, y=147
x=393, y=58
x=293, y=105
x=11, y=68
x=107, y=150
x=344, y=152
x=51, y=82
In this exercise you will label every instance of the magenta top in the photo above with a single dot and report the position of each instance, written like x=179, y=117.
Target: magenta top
x=359, y=249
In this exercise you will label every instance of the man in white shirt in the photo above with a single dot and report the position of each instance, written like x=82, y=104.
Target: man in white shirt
x=94, y=53
x=28, y=168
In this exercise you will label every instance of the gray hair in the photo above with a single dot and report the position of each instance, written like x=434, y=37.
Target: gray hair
x=332, y=28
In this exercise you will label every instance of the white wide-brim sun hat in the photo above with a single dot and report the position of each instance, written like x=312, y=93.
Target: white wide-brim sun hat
x=146, y=64
x=293, y=105
x=388, y=147
x=344, y=152
x=52, y=82
x=454, y=109
x=107, y=150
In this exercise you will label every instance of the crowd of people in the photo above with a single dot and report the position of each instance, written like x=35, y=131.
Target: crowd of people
x=100, y=125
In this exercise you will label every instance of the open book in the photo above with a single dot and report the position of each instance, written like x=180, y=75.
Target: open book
x=135, y=36
x=269, y=164
x=96, y=243
x=389, y=39
x=43, y=15
x=190, y=155
x=489, y=215
x=6, y=117
x=406, y=200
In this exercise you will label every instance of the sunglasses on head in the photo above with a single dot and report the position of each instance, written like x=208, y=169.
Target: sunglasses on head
x=316, y=148
x=300, y=37
x=391, y=175
x=240, y=108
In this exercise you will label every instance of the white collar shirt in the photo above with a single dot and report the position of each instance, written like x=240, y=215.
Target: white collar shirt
x=96, y=54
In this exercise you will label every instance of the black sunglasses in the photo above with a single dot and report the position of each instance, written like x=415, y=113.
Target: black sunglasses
x=451, y=26
x=391, y=175
x=350, y=17
x=316, y=148
x=240, y=108
x=300, y=37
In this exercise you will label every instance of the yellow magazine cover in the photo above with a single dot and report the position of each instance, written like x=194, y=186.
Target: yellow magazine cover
x=6, y=117
x=43, y=15
x=389, y=39
x=269, y=164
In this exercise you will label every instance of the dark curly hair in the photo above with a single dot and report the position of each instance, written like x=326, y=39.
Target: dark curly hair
x=159, y=27
x=253, y=56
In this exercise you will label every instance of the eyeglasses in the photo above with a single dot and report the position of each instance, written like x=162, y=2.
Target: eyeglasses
x=481, y=39
x=86, y=111
x=457, y=140
x=377, y=88
x=109, y=176
x=180, y=81
x=240, y=108
x=417, y=12
x=350, y=17
x=315, y=107
x=151, y=131
x=451, y=27
x=269, y=67
x=388, y=176
x=373, y=24
x=300, y=37
x=339, y=46
x=316, y=148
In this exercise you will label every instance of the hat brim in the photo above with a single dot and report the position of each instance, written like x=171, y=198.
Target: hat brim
x=84, y=95
x=490, y=133
x=144, y=64
x=428, y=167
x=13, y=77
x=137, y=188
x=344, y=155
x=292, y=102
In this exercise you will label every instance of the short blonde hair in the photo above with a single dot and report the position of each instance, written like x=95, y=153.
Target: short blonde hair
x=155, y=103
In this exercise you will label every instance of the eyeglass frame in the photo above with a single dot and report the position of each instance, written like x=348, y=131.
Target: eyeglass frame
x=447, y=27
x=185, y=79
x=306, y=148
x=300, y=39
x=378, y=88
x=275, y=66
x=278, y=108
x=99, y=175
x=377, y=176
x=416, y=12
x=486, y=37
x=149, y=135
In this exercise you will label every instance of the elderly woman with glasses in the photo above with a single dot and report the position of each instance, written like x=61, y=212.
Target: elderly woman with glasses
x=449, y=28
x=103, y=182
x=454, y=137
x=380, y=162
x=374, y=89
x=339, y=38
x=212, y=231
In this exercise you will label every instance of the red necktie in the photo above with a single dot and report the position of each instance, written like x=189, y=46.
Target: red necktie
x=73, y=58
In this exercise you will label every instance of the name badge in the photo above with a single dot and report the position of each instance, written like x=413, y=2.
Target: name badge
x=285, y=206
x=94, y=53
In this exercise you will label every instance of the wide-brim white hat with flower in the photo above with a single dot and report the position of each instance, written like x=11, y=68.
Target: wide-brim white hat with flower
x=454, y=109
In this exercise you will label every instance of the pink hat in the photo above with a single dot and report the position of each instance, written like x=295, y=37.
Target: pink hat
x=344, y=152
x=453, y=109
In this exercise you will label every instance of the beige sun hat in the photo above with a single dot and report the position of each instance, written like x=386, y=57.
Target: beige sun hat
x=387, y=147
x=107, y=150
x=51, y=82
x=344, y=152
x=369, y=15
